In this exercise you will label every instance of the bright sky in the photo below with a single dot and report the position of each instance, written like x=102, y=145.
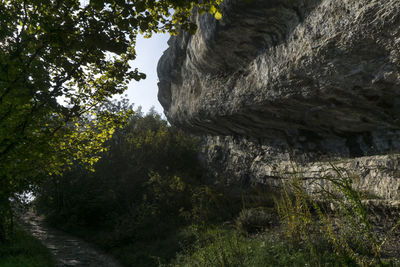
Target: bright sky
x=148, y=52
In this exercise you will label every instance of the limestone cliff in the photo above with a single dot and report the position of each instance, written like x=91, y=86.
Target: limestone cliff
x=282, y=81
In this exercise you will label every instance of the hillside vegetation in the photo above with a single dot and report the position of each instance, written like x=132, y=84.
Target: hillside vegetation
x=149, y=203
x=24, y=251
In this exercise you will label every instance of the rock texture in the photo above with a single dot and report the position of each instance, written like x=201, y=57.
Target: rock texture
x=282, y=81
x=246, y=161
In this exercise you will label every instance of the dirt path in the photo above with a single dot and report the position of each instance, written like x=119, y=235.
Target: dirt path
x=67, y=250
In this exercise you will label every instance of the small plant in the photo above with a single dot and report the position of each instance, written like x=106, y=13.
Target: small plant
x=300, y=227
x=255, y=220
x=207, y=204
x=217, y=246
x=347, y=228
x=294, y=209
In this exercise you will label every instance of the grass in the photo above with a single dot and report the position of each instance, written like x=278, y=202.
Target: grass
x=347, y=228
x=219, y=246
x=308, y=234
x=290, y=227
x=24, y=251
x=303, y=237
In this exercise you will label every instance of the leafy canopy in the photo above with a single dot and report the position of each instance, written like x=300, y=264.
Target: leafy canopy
x=60, y=60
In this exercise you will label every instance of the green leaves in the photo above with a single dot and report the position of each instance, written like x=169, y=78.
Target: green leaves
x=59, y=63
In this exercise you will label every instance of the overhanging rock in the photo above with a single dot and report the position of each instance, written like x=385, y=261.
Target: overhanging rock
x=300, y=80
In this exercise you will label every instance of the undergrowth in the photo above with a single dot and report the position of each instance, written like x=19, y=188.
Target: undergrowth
x=24, y=251
x=218, y=246
x=333, y=214
x=330, y=226
x=149, y=203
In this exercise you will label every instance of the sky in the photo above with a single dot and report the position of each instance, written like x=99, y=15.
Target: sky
x=148, y=52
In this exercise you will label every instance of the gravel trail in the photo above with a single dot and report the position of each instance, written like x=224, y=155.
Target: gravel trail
x=67, y=250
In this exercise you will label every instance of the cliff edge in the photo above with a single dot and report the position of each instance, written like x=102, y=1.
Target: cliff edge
x=281, y=81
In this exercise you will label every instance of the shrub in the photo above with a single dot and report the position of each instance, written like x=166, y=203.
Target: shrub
x=255, y=220
x=24, y=251
x=217, y=246
x=347, y=228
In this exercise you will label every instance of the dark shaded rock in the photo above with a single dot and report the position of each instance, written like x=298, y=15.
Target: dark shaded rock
x=277, y=80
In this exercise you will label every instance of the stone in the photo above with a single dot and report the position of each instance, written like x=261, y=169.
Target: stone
x=280, y=82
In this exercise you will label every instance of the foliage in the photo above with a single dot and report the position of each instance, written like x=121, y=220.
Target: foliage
x=310, y=234
x=254, y=220
x=351, y=233
x=59, y=62
x=6, y=220
x=142, y=190
x=145, y=206
x=216, y=246
x=294, y=209
x=347, y=229
x=148, y=200
x=24, y=251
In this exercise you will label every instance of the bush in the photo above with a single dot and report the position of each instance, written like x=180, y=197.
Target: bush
x=255, y=220
x=147, y=186
x=224, y=247
x=148, y=199
x=24, y=251
x=346, y=228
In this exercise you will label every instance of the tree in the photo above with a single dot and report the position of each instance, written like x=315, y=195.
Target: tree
x=141, y=190
x=59, y=62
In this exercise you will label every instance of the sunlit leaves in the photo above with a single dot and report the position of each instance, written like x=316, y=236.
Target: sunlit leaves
x=218, y=15
x=59, y=63
x=216, y=12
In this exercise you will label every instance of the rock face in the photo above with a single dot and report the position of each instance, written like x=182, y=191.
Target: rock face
x=282, y=81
